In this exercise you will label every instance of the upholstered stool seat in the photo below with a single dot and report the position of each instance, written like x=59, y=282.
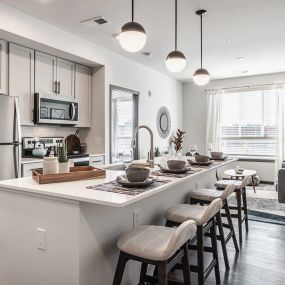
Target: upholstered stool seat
x=156, y=242
x=205, y=218
x=222, y=184
x=157, y=245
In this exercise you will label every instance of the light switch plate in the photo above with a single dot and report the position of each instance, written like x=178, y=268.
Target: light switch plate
x=41, y=242
x=136, y=218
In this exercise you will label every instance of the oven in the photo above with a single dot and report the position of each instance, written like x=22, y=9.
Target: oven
x=56, y=110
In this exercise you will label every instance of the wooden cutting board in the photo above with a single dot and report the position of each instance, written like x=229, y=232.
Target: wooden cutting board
x=72, y=143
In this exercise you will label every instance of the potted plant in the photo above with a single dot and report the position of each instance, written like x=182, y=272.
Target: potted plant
x=178, y=141
x=62, y=159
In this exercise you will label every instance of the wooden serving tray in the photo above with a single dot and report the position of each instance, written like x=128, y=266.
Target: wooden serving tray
x=76, y=173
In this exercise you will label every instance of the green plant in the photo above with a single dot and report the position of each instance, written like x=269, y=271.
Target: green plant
x=156, y=152
x=62, y=153
x=178, y=140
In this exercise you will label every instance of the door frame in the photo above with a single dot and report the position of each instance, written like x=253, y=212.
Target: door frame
x=136, y=117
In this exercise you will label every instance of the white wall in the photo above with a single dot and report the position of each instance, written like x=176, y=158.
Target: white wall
x=119, y=71
x=195, y=113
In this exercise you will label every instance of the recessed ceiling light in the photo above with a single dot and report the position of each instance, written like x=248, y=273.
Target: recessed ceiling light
x=147, y=54
x=240, y=58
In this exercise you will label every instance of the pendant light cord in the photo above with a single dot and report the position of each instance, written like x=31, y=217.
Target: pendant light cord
x=132, y=10
x=175, y=25
x=201, y=40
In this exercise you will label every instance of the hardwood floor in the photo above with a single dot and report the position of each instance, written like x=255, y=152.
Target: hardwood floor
x=261, y=260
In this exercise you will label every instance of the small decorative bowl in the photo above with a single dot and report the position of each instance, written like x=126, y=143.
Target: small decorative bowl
x=202, y=158
x=137, y=174
x=217, y=154
x=176, y=164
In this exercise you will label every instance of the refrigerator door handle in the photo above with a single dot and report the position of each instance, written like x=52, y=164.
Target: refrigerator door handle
x=17, y=140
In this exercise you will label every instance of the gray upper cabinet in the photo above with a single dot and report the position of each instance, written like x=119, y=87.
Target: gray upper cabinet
x=45, y=73
x=83, y=94
x=65, y=77
x=21, y=80
x=54, y=75
x=3, y=67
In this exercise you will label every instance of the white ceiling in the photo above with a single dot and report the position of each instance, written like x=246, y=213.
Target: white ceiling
x=255, y=30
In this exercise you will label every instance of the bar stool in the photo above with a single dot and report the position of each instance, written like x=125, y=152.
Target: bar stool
x=204, y=216
x=240, y=190
x=157, y=245
x=206, y=196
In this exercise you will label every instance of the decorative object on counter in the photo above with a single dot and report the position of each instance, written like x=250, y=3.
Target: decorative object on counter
x=239, y=170
x=137, y=174
x=202, y=158
x=178, y=140
x=217, y=155
x=175, y=174
x=124, y=181
x=209, y=148
x=193, y=150
x=127, y=155
x=73, y=143
x=76, y=173
x=175, y=171
x=132, y=36
x=39, y=149
x=62, y=159
x=176, y=164
x=83, y=148
x=192, y=162
x=115, y=187
x=50, y=166
x=163, y=122
x=156, y=152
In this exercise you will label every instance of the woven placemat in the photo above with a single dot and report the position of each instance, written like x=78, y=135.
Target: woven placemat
x=115, y=187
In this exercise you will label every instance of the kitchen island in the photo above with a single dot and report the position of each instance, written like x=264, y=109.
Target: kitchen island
x=66, y=233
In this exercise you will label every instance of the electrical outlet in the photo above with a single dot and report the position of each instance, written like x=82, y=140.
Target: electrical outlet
x=41, y=243
x=136, y=218
x=197, y=184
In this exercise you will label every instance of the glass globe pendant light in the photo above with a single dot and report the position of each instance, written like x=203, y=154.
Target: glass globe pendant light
x=201, y=76
x=176, y=60
x=132, y=37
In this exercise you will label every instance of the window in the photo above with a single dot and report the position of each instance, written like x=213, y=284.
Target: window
x=248, y=123
x=123, y=121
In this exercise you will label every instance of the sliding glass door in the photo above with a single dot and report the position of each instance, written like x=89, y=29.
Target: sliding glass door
x=123, y=121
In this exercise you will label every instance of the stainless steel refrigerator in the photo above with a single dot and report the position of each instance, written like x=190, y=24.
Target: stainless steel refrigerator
x=10, y=138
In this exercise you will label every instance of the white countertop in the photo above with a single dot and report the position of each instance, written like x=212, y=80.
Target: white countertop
x=77, y=190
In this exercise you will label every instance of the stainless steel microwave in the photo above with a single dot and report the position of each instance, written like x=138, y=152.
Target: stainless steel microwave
x=56, y=110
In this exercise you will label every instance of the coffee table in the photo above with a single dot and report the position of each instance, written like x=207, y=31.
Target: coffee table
x=246, y=172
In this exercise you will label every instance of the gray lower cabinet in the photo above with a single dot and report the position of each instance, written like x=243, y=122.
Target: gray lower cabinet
x=3, y=67
x=83, y=94
x=27, y=168
x=96, y=160
x=21, y=80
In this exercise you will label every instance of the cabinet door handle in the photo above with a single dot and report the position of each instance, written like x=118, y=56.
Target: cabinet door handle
x=58, y=87
x=55, y=87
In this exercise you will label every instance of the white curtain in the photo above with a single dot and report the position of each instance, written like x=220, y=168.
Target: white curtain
x=280, y=120
x=214, y=119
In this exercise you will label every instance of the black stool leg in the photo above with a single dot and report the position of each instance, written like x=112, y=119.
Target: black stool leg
x=200, y=255
x=238, y=194
x=143, y=272
x=245, y=208
x=223, y=241
x=215, y=252
x=186, y=266
x=162, y=274
x=231, y=225
x=120, y=269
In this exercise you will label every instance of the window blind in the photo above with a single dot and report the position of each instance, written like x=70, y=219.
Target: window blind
x=248, y=123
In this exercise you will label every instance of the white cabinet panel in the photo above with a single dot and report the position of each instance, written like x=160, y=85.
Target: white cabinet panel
x=45, y=73
x=27, y=168
x=83, y=94
x=3, y=67
x=97, y=160
x=65, y=71
x=21, y=80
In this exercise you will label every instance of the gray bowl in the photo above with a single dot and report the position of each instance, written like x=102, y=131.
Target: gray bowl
x=137, y=174
x=217, y=154
x=202, y=158
x=176, y=164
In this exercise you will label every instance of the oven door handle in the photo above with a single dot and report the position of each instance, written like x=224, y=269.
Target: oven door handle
x=72, y=112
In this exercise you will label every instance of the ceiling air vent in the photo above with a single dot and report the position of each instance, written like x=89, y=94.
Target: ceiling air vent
x=95, y=22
